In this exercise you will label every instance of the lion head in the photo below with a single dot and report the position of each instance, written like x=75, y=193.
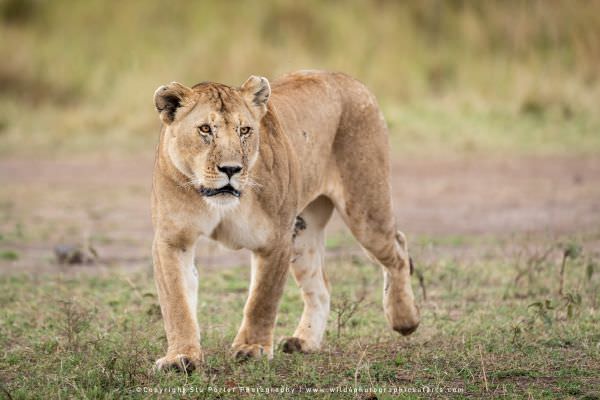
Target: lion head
x=212, y=134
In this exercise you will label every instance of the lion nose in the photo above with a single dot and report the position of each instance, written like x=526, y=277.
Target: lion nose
x=229, y=170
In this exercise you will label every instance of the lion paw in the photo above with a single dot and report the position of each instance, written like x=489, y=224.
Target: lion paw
x=245, y=352
x=295, y=345
x=178, y=363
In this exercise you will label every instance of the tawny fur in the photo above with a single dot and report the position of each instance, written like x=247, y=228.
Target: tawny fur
x=317, y=141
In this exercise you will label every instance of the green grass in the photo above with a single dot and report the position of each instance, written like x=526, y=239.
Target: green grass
x=9, y=255
x=90, y=334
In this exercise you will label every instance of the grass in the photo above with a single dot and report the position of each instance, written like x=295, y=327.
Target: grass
x=9, y=255
x=87, y=334
x=457, y=76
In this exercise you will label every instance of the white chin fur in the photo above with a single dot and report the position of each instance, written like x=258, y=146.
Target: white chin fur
x=222, y=203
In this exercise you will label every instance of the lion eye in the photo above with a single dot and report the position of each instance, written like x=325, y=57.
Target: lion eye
x=205, y=128
x=244, y=130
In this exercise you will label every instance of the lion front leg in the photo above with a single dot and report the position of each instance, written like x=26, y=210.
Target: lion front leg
x=177, y=284
x=255, y=336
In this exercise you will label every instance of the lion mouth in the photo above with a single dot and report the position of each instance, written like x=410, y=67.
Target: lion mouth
x=227, y=189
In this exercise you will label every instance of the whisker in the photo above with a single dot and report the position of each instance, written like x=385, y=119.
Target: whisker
x=193, y=182
x=252, y=184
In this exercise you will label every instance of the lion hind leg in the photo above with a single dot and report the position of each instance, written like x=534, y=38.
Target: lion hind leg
x=362, y=196
x=307, y=267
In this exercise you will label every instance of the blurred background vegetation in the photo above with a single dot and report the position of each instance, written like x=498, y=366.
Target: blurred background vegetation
x=452, y=76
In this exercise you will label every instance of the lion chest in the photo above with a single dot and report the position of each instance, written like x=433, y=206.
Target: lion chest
x=241, y=230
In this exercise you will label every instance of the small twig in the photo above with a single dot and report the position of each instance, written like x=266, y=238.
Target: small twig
x=346, y=310
x=562, y=274
x=483, y=369
x=367, y=368
x=358, y=367
x=421, y=283
x=135, y=289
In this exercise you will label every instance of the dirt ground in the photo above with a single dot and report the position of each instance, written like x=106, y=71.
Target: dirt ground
x=470, y=203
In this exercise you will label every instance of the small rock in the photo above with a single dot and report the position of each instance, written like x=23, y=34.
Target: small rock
x=75, y=254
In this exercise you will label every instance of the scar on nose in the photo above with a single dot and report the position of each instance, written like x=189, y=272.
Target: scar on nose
x=299, y=226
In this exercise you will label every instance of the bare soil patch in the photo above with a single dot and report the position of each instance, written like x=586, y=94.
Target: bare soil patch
x=105, y=200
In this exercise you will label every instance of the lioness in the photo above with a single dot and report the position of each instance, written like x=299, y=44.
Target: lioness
x=262, y=167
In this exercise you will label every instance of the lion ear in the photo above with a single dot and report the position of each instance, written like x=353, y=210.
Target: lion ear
x=168, y=98
x=256, y=90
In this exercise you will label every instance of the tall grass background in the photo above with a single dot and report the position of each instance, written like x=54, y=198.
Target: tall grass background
x=451, y=76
